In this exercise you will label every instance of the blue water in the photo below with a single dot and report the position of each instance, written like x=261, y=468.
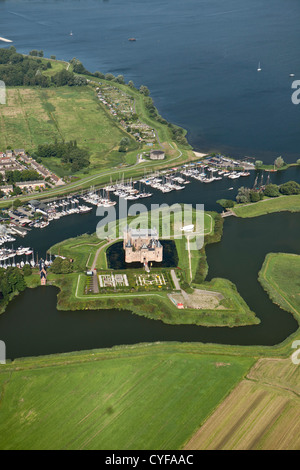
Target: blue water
x=199, y=58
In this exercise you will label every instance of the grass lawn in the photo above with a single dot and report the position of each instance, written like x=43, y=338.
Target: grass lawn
x=267, y=206
x=143, y=398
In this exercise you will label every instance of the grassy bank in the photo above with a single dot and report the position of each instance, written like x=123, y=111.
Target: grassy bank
x=280, y=277
x=268, y=206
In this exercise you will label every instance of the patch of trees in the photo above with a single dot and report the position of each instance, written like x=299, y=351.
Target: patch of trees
x=124, y=144
x=288, y=189
x=247, y=195
x=35, y=53
x=18, y=70
x=68, y=152
x=178, y=134
x=64, y=77
x=62, y=266
x=11, y=280
x=15, y=176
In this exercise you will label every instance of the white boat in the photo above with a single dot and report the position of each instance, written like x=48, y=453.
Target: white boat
x=259, y=67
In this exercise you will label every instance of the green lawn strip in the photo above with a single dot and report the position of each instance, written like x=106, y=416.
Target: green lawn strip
x=267, y=206
x=139, y=398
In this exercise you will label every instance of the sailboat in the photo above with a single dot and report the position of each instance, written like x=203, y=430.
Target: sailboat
x=259, y=67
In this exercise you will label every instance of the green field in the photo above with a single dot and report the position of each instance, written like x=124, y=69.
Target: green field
x=34, y=116
x=280, y=277
x=150, y=398
x=267, y=206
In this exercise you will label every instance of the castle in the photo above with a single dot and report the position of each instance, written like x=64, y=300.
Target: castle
x=142, y=245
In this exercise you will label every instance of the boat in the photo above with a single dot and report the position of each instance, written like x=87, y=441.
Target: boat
x=259, y=67
x=5, y=40
x=132, y=39
x=71, y=34
x=292, y=74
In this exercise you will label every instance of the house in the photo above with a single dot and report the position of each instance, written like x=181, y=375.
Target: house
x=38, y=206
x=19, y=152
x=6, y=189
x=31, y=185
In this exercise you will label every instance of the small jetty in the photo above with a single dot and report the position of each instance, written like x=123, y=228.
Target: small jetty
x=228, y=214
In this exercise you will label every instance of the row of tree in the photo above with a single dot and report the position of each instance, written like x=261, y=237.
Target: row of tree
x=15, y=176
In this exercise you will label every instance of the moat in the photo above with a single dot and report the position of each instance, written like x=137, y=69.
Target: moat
x=32, y=325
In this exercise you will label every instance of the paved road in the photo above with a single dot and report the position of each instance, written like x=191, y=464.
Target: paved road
x=175, y=280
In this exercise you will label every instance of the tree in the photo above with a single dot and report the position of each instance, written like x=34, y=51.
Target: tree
x=120, y=79
x=109, y=76
x=289, y=188
x=259, y=163
x=243, y=195
x=298, y=161
x=131, y=84
x=144, y=90
x=99, y=75
x=27, y=270
x=271, y=190
x=124, y=144
x=255, y=196
x=279, y=162
x=53, y=57
x=61, y=266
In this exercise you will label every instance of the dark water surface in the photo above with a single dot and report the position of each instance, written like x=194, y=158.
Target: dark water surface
x=33, y=326
x=198, y=58
x=116, y=257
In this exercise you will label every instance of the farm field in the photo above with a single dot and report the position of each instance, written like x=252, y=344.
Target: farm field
x=267, y=206
x=35, y=116
x=262, y=412
x=147, y=399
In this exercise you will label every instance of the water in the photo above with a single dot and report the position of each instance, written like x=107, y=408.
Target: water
x=32, y=325
x=199, y=59
x=116, y=257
